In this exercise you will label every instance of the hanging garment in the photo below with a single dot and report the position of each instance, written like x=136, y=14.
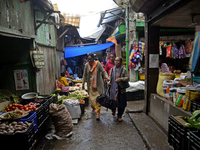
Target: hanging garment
x=196, y=54
x=188, y=46
x=160, y=48
x=169, y=47
x=175, y=52
x=182, y=53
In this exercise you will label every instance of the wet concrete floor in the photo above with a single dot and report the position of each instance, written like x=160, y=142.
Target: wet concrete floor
x=106, y=134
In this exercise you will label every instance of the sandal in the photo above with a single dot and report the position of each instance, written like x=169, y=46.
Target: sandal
x=113, y=113
x=97, y=117
x=120, y=119
x=93, y=111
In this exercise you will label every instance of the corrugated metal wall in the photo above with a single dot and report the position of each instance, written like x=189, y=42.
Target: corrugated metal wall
x=46, y=34
x=15, y=16
x=46, y=77
x=59, y=57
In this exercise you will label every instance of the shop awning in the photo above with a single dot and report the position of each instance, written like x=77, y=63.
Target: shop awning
x=119, y=32
x=77, y=51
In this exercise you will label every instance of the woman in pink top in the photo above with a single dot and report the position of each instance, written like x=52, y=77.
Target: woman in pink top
x=110, y=63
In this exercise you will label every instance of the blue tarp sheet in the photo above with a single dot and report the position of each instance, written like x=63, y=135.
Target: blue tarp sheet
x=77, y=51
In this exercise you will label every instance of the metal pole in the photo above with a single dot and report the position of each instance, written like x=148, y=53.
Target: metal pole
x=127, y=36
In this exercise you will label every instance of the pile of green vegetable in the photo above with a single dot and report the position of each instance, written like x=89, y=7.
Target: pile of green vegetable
x=193, y=121
x=76, y=96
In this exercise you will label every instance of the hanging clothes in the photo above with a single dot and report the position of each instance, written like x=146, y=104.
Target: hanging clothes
x=182, y=53
x=188, y=46
x=169, y=47
x=175, y=52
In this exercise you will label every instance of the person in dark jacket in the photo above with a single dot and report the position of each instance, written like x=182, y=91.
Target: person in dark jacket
x=117, y=74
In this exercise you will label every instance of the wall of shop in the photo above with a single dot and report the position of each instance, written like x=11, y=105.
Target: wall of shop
x=60, y=56
x=46, y=77
x=46, y=41
x=17, y=18
x=46, y=34
x=14, y=56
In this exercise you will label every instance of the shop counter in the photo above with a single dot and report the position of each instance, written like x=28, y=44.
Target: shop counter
x=161, y=109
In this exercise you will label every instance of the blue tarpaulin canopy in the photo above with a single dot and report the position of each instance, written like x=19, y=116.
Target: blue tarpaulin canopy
x=77, y=51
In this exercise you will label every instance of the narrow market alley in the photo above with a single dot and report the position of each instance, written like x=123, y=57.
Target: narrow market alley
x=109, y=134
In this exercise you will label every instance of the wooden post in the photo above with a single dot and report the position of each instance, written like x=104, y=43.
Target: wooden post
x=118, y=50
x=151, y=74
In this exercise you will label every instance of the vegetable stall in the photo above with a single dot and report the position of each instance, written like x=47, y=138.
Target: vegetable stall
x=24, y=119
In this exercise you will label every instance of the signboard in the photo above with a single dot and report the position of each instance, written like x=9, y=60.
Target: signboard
x=153, y=60
x=21, y=79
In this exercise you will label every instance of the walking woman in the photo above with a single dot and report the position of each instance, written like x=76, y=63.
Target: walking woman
x=117, y=74
x=92, y=75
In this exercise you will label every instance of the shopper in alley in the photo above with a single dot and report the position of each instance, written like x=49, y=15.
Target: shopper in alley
x=117, y=74
x=110, y=63
x=92, y=75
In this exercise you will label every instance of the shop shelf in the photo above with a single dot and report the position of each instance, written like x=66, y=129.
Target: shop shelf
x=137, y=95
x=22, y=141
x=177, y=134
x=193, y=139
x=195, y=105
x=31, y=117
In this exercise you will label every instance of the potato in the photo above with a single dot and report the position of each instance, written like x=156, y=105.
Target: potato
x=6, y=127
x=1, y=132
x=4, y=131
x=3, y=124
x=20, y=123
x=14, y=123
x=18, y=131
x=6, y=122
x=3, y=128
x=10, y=132
x=18, y=128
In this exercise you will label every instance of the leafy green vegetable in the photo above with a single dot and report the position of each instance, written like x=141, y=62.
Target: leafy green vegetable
x=194, y=121
x=76, y=96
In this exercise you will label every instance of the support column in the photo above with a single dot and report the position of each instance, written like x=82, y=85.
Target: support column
x=118, y=50
x=151, y=74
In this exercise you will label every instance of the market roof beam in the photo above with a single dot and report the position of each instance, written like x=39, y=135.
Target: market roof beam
x=52, y=23
x=37, y=27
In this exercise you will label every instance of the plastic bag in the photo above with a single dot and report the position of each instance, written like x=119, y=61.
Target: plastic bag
x=73, y=107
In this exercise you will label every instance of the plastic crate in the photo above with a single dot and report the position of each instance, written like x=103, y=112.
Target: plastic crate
x=82, y=106
x=55, y=99
x=177, y=134
x=31, y=117
x=86, y=101
x=40, y=115
x=137, y=95
x=22, y=141
x=195, y=105
x=46, y=108
x=193, y=140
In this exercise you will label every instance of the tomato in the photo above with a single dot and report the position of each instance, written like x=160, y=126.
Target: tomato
x=26, y=109
x=25, y=106
x=10, y=106
x=13, y=107
x=8, y=109
x=20, y=112
x=20, y=105
x=21, y=108
x=13, y=104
